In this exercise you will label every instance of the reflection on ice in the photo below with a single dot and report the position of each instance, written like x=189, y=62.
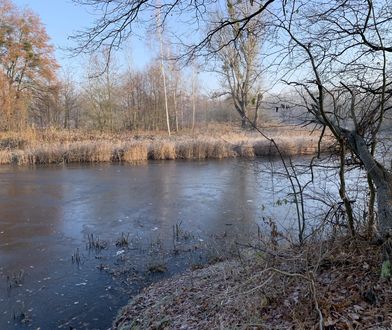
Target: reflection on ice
x=123, y=222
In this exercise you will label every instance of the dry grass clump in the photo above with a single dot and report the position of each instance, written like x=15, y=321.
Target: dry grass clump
x=16, y=157
x=221, y=149
x=184, y=149
x=162, y=150
x=20, y=158
x=246, y=151
x=5, y=157
x=200, y=149
x=103, y=152
x=90, y=152
x=78, y=152
x=203, y=148
x=134, y=152
x=10, y=143
x=17, y=140
x=287, y=147
x=265, y=148
x=47, y=154
x=297, y=146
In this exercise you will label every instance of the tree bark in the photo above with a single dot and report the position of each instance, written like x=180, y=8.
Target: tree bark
x=258, y=102
x=381, y=178
x=244, y=122
x=371, y=215
x=342, y=189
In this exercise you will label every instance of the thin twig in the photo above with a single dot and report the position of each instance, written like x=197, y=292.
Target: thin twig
x=258, y=287
x=312, y=286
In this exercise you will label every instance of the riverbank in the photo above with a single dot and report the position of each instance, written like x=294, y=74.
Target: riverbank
x=329, y=285
x=214, y=142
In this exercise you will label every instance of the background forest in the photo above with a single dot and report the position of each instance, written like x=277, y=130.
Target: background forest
x=108, y=95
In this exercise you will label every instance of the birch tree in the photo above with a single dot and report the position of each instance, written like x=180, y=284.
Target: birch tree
x=163, y=71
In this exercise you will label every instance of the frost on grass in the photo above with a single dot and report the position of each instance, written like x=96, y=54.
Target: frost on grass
x=333, y=286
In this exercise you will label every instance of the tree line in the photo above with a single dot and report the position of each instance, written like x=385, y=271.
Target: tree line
x=163, y=95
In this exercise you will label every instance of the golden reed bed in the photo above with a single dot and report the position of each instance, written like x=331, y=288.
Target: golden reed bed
x=54, y=147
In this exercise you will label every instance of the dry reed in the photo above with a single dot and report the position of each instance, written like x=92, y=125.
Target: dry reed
x=54, y=147
x=162, y=150
x=135, y=152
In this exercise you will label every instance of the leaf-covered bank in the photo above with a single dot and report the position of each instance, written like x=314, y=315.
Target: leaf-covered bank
x=324, y=286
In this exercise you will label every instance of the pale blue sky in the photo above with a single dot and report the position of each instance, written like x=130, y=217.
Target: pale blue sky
x=63, y=18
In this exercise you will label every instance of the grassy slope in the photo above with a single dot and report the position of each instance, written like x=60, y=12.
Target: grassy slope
x=328, y=285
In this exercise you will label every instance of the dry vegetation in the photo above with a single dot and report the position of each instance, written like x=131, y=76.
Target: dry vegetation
x=334, y=285
x=218, y=141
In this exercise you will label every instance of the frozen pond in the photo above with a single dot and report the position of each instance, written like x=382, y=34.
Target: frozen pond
x=148, y=218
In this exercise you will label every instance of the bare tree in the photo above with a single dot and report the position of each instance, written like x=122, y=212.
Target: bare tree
x=69, y=101
x=175, y=81
x=142, y=98
x=344, y=47
x=194, y=87
x=44, y=108
x=99, y=95
x=163, y=71
x=236, y=51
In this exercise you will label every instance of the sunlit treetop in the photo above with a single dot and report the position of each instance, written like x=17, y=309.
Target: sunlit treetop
x=26, y=56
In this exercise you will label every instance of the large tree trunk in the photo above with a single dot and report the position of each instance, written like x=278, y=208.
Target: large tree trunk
x=381, y=178
x=241, y=108
x=384, y=204
x=258, y=102
x=244, y=116
x=244, y=122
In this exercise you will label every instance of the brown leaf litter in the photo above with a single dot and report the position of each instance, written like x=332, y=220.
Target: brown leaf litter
x=329, y=285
